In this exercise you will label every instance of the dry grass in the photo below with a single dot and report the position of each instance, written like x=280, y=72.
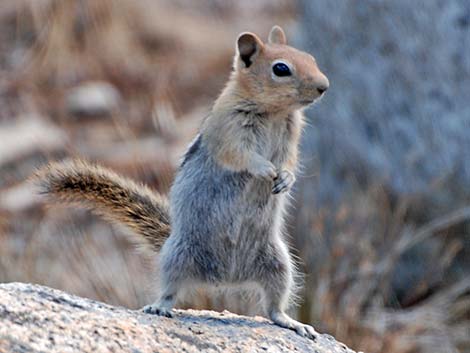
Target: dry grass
x=356, y=272
x=168, y=60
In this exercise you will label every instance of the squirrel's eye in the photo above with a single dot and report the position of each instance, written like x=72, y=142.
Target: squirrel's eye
x=281, y=69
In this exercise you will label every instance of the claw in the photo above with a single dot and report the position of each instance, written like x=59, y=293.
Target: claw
x=303, y=330
x=311, y=333
x=152, y=309
x=283, y=182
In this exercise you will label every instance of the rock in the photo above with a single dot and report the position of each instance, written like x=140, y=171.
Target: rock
x=19, y=198
x=28, y=136
x=93, y=99
x=40, y=319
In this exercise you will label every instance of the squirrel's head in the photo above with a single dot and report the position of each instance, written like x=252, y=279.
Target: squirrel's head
x=277, y=75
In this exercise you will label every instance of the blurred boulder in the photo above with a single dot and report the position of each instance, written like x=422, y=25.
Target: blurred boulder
x=93, y=99
x=27, y=136
x=24, y=143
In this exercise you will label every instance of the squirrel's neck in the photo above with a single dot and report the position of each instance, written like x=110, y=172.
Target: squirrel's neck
x=234, y=97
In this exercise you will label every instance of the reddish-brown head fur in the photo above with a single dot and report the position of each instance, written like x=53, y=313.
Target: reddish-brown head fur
x=300, y=85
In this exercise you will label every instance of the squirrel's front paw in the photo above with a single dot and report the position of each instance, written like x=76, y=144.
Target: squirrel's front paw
x=283, y=181
x=263, y=169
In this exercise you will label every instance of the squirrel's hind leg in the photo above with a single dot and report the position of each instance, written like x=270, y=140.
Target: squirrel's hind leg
x=275, y=276
x=276, y=296
x=282, y=319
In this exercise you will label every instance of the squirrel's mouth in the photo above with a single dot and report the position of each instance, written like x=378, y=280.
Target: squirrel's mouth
x=310, y=100
x=307, y=101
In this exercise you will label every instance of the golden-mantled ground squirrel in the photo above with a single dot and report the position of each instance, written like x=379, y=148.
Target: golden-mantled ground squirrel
x=224, y=222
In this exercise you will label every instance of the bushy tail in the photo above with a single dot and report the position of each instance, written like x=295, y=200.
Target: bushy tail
x=115, y=198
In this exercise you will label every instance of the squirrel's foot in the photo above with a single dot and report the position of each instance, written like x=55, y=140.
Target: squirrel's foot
x=156, y=310
x=283, y=181
x=281, y=319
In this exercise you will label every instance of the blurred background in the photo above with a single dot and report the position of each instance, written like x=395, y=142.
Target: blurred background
x=380, y=220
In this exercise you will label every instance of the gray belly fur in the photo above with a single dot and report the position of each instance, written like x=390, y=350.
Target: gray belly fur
x=223, y=222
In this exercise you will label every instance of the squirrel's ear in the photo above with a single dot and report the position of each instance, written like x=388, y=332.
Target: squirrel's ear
x=249, y=46
x=277, y=36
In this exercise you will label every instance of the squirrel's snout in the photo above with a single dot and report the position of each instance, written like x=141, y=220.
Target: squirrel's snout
x=317, y=84
x=314, y=89
x=322, y=89
x=323, y=85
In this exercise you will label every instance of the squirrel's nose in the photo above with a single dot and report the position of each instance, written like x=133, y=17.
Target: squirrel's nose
x=322, y=89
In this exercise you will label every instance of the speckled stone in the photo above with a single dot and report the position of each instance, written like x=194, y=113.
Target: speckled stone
x=39, y=319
